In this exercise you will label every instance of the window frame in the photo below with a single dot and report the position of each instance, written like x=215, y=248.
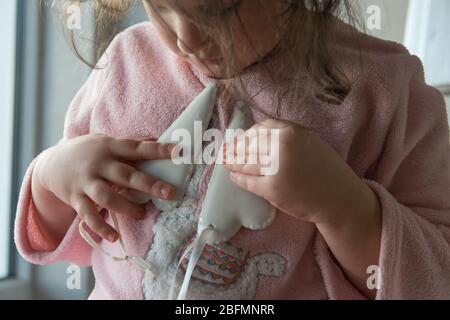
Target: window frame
x=36, y=33
x=18, y=285
x=8, y=127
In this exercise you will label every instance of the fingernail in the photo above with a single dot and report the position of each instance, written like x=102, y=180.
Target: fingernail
x=170, y=147
x=179, y=151
x=112, y=237
x=165, y=190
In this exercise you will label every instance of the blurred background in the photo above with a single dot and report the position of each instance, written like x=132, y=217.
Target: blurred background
x=39, y=76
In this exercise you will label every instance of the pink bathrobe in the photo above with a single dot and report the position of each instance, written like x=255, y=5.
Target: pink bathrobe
x=391, y=129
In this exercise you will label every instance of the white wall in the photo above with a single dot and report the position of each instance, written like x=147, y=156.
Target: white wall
x=393, y=18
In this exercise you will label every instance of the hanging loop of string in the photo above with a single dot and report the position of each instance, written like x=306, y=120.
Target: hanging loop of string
x=196, y=247
x=150, y=273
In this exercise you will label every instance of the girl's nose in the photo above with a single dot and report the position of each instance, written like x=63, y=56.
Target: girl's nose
x=190, y=41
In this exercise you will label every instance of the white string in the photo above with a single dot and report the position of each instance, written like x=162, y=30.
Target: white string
x=197, y=247
x=138, y=261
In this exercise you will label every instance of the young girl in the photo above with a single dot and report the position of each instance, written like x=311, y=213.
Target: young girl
x=362, y=189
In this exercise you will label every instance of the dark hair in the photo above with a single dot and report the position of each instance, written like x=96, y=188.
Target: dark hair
x=305, y=41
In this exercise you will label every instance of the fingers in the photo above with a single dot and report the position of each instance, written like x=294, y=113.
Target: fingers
x=89, y=214
x=274, y=124
x=102, y=194
x=127, y=176
x=256, y=144
x=254, y=141
x=249, y=154
x=254, y=184
x=135, y=196
x=131, y=149
x=249, y=169
x=139, y=138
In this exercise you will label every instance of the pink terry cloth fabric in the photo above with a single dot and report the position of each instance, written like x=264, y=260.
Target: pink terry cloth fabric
x=391, y=129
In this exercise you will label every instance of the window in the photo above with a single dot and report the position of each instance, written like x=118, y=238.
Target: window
x=428, y=36
x=7, y=79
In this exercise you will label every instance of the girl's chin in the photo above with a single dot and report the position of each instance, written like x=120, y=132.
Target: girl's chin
x=212, y=71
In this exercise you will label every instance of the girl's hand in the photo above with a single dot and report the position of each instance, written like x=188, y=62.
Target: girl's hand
x=86, y=170
x=312, y=183
x=315, y=184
